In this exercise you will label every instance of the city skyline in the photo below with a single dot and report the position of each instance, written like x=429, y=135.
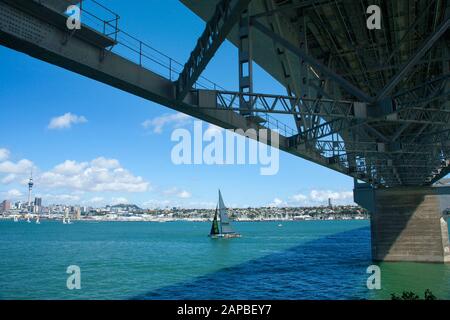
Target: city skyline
x=89, y=143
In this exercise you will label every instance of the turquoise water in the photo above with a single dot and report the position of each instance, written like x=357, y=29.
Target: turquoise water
x=176, y=260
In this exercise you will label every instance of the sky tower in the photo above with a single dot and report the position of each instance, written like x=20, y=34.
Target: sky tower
x=30, y=188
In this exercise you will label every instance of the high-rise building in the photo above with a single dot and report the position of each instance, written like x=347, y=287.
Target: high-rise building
x=30, y=188
x=18, y=205
x=37, y=205
x=78, y=213
x=329, y=203
x=38, y=202
x=5, y=206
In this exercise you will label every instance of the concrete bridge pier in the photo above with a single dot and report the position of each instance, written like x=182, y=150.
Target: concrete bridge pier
x=407, y=223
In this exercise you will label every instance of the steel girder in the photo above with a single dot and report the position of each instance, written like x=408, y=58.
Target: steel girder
x=402, y=109
x=226, y=15
x=427, y=44
x=408, y=128
x=269, y=103
x=350, y=88
x=327, y=108
x=341, y=147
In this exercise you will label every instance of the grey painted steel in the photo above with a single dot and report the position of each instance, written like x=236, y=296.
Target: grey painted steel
x=226, y=14
x=412, y=125
x=245, y=61
x=428, y=43
x=84, y=58
x=313, y=62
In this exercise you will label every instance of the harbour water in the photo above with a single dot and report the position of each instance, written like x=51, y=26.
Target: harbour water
x=176, y=260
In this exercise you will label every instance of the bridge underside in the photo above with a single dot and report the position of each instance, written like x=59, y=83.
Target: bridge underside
x=375, y=102
x=371, y=104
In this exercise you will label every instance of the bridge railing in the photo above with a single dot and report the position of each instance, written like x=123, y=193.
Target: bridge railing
x=103, y=20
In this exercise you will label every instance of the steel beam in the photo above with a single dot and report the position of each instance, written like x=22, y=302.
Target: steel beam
x=226, y=15
x=245, y=64
x=366, y=147
x=426, y=45
x=350, y=88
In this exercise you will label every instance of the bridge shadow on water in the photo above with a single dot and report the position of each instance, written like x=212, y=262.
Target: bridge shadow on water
x=333, y=267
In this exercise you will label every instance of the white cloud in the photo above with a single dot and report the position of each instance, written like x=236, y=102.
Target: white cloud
x=70, y=167
x=157, y=124
x=183, y=194
x=277, y=202
x=119, y=200
x=21, y=167
x=66, y=121
x=59, y=198
x=96, y=200
x=9, y=178
x=12, y=194
x=320, y=197
x=324, y=195
x=299, y=197
x=4, y=154
x=98, y=175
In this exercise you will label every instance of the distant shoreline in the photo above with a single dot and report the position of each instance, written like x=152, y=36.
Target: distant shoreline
x=162, y=220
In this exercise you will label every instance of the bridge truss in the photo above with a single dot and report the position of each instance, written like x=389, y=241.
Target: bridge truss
x=372, y=104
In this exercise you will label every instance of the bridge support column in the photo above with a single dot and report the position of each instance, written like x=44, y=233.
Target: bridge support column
x=408, y=223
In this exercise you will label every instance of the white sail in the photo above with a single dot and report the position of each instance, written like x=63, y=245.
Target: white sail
x=224, y=220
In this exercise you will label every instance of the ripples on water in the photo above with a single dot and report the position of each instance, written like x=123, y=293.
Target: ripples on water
x=136, y=260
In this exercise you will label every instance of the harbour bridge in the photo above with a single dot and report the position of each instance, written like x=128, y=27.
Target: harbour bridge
x=371, y=103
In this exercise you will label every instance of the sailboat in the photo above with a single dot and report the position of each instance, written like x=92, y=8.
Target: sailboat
x=221, y=227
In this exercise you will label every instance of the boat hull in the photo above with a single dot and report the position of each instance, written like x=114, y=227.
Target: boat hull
x=225, y=236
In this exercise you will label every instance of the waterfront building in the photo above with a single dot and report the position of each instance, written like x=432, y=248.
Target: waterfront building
x=5, y=206
x=37, y=205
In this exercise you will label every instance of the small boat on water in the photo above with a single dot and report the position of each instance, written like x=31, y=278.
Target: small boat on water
x=221, y=227
x=38, y=221
x=16, y=219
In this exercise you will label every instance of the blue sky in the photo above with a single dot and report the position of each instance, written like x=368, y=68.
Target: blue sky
x=87, y=143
